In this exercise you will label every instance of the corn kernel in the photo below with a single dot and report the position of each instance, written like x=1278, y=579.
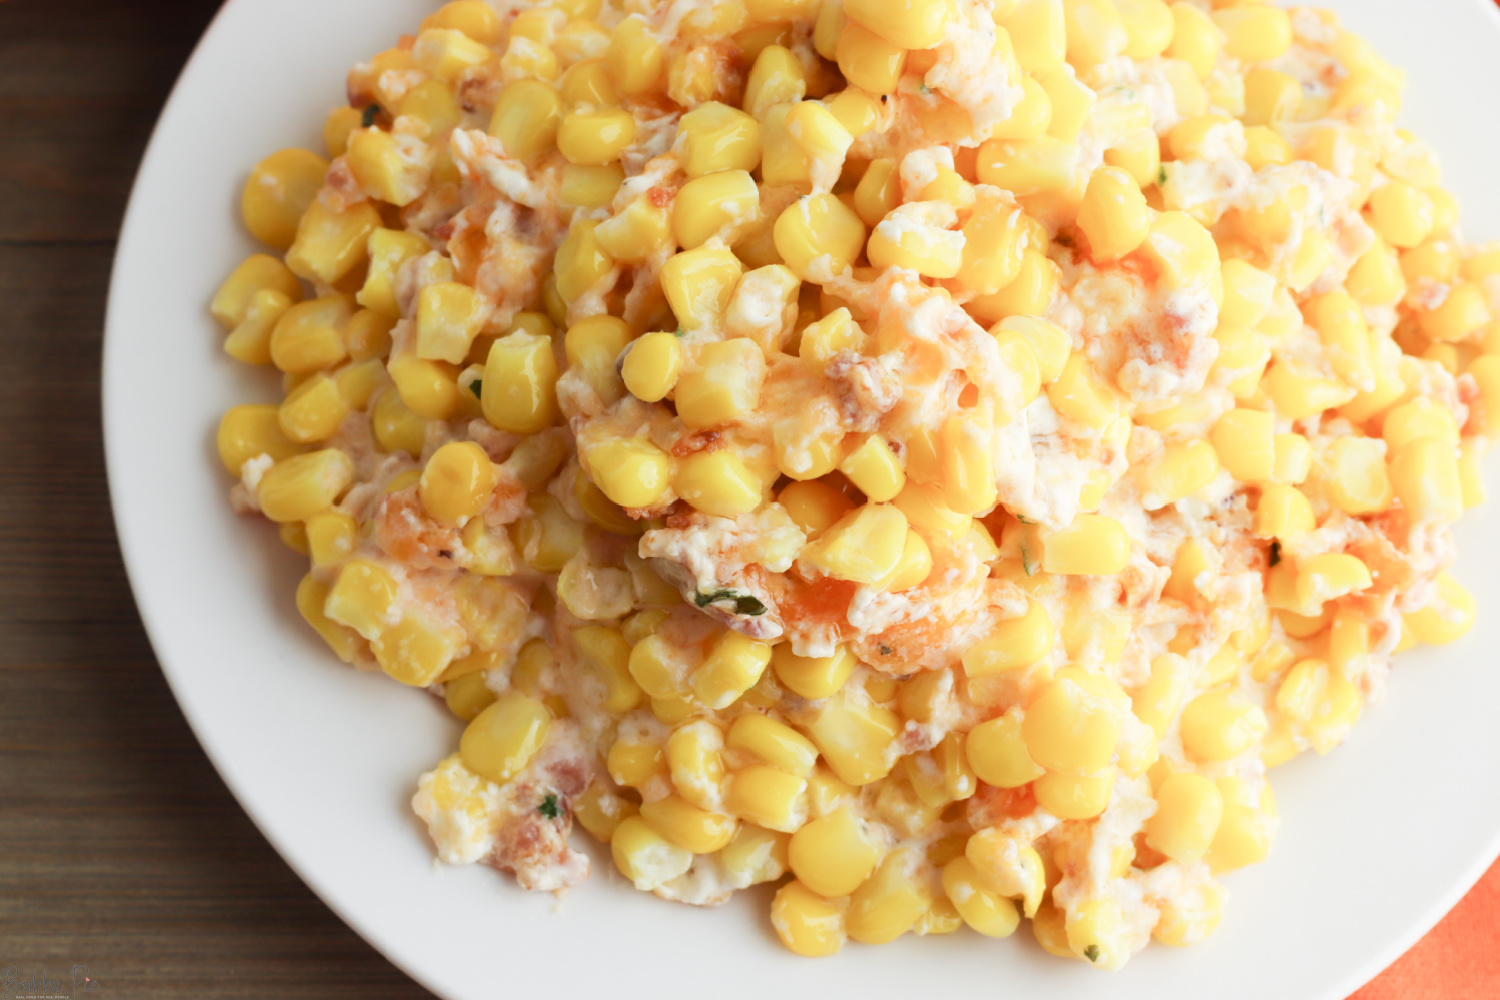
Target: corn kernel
x=329, y=245
x=645, y=857
x=807, y=923
x=1093, y=545
x=503, y=738
x=1447, y=617
x=688, y=827
x=869, y=61
x=1424, y=475
x=812, y=677
x=1113, y=214
x=279, y=191
x=864, y=546
x=1218, y=725
x=1354, y=476
x=300, y=486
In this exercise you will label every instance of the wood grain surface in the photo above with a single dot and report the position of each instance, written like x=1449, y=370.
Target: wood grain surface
x=120, y=849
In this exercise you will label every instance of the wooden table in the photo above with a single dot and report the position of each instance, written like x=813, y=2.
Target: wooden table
x=120, y=848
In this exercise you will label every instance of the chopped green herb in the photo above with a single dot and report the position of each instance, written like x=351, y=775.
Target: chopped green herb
x=679, y=332
x=1091, y=953
x=1029, y=562
x=1275, y=552
x=368, y=118
x=744, y=604
x=926, y=90
x=1024, y=520
x=477, y=388
x=885, y=650
x=550, y=807
x=1161, y=176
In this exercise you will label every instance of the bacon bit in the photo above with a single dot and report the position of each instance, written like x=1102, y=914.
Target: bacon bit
x=536, y=849
x=818, y=602
x=405, y=532
x=992, y=806
x=709, y=441
x=660, y=197
x=443, y=233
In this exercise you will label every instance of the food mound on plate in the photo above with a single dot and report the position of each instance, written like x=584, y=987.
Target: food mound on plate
x=936, y=456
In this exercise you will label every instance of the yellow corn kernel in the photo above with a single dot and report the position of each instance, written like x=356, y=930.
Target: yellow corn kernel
x=754, y=855
x=724, y=387
x=912, y=569
x=1189, y=808
x=812, y=677
x=776, y=77
x=1079, y=394
x=1283, y=512
x=1462, y=312
x=313, y=411
x=1254, y=33
x=249, y=431
x=645, y=857
x=300, y=486
x=1354, y=476
x=279, y=191
x=1113, y=214
x=636, y=60
x=1330, y=576
x=637, y=233
x=1070, y=102
x=1195, y=39
x=996, y=750
x=815, y=227
x=699, y=283
x=1093, y=545
x=429, y=388
x=309, y=336
x=1157, y=701
x=329, y=244
x=590, y=187
x=1217, y=725
x=1070, y=796
x=396, y=427
x=595, y=137
x=1148, y=27
x=1070, y=729
x=814, y=506
x=605, y=651
x=1293, y=458
x=918, y=236
x=889, y=902
x=311, y=596
x=526, y=119
x=449, y=316
x=1094, y=31
x=1401, y=214
x=1028, y=294
x=250, y=341
x=994, y=240
x=233, y=303
x=1447, y=617
x=447, y=54
x=1181, y=470
x=981, y=907
x=330, y=537
x=503, y=738
x=367, y=335
x=581, y=262
x=341, y=122
x=634, y=764
x=387, y=168
x=601, y=812
x=807, y=924
x=362, y=598
x=718, y=137
x=767, y=797
x=1014, y=644
x=1245, y=831
x=457, y=482
x=1028, y=166
x=1245, y=443
x=918, y=25
x=688, y=827
x=865, y=546
x=1271, y=96
x=706, y=205
x=697, y=767
x=967, y=465
x=1049, y=344
x=875, y=469
x=1299, y=392
x=776, y=743
x=520, y=384
x=1139, y=156
x=588, y=82
x=1376, y=278
x=388, y=250
x=869, y=61
x=1183, y=251
x=855, y=739
x=467, y=696
x=1038, y=33
x=731, y=668
x=855, y=110
x=1424, y=475
x=632, y=473
x=1345, y=335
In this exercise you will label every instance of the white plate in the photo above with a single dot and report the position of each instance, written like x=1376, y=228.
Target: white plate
x=1377, y=842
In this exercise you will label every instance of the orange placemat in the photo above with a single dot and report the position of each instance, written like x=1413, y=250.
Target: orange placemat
x=1457, y=960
